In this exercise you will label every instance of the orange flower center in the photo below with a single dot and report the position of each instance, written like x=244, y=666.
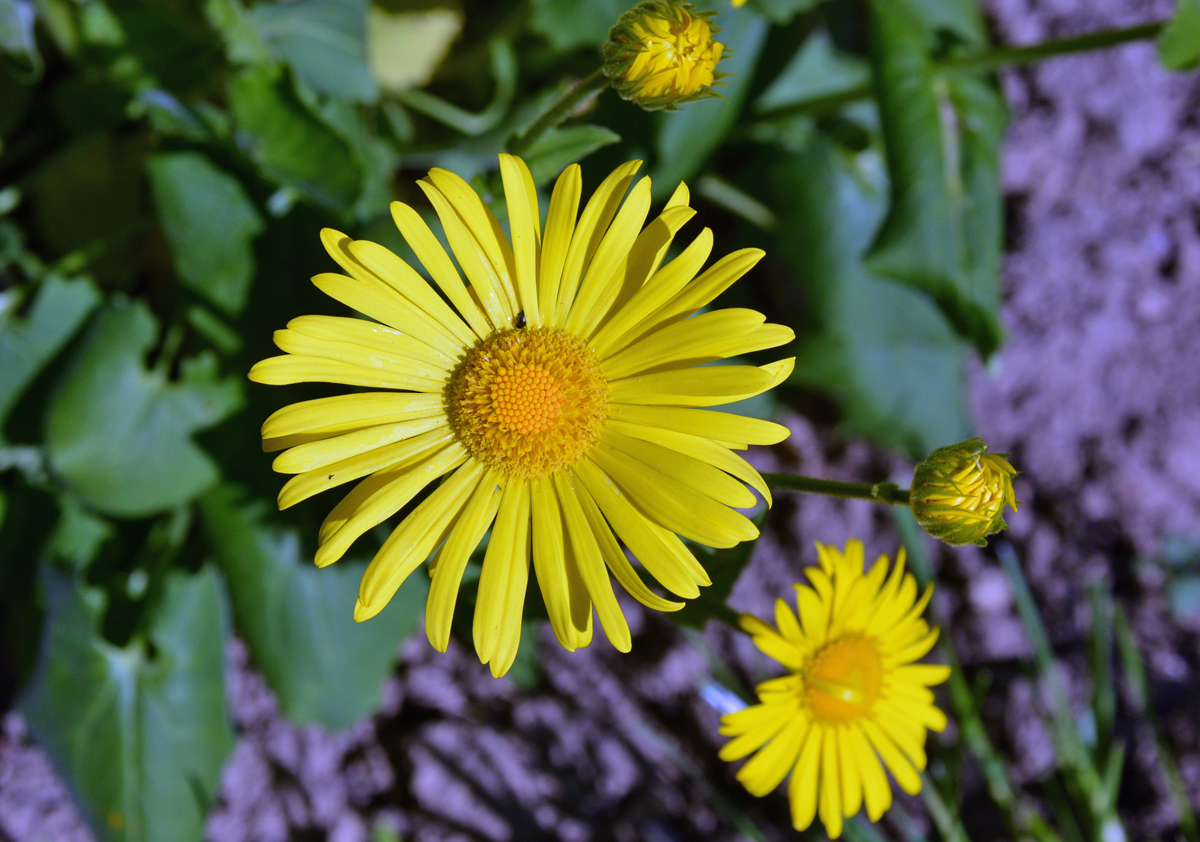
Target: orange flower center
x=528, y=401
x=841, y=680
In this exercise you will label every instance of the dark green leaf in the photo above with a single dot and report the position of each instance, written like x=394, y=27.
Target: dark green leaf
x=1179, y=43
x=723, y=567
x=782, y=11
x=688, y=137
x=140, y=732
x=299, y=621
x=28, y=343
x=924, y=241
x=818, y=69
x=559, y=147
x=119, y=434
x=324, y=41
x=78, y=535
x=882, y=350
x=962, y=18
x=568, y=24
x=17, y=41
x=210, y=225
x=291, y=145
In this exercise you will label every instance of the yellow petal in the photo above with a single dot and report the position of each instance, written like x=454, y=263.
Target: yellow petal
x=590, y=564
x=504, y=578
x=679, y=466
x=404, y=279
x=767, y=769
x=320, y=454
x=703, y=449
x=634, y=530
x=467, y=532
x=408, y=452
x=806, y=775
x=302, y=345
x=550, y=563
x=675, y=506
x=771, y=719
x=718, y=278
x=370, y=335
x=593, y=223
x=720, y=426
x=614, y=556
x=484, y=228
x=642, y=261
x=387, y=501
x=523, y=223
x=289, y=369
x=877, y=792
x=851, y=780
x=414, y=539
x=607, y=262
x=705, y=386
x=560, y=225
x=902, y=770
x=441, y=268
x=383, y=304
x=340, y=413
x=485, y=283
x=621, y=329
x=704, y=338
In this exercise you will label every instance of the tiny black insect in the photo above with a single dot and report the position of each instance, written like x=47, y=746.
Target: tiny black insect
x=519, y=321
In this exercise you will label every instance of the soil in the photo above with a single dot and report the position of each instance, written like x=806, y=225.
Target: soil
x=1096, y=396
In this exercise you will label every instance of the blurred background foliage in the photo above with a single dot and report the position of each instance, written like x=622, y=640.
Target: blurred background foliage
x=165, y=168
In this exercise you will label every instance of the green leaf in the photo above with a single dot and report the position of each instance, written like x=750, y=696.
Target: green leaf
x=78, y=535
x=324, y=42
x=299, y=621
x=818, y=69
x=17, y=40
x=288, y=142
x=568, y=24
x=119, y=434
x=723, y=567
x=924, y=241
x=210, y=225
x=28, y=343
x=688, y=137
x=883, y=351
x=1179, y=42
x=140, y=732
x=782, y=11
x=559, y=147
x=961, y=18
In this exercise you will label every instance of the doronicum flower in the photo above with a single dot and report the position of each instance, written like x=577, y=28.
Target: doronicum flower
x=556, y=396
x=661, y=53
x=853, y=696
x=959, y=492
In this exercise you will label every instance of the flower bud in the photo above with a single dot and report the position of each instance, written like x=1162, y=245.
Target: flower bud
x=661, y=53
x=959, y=493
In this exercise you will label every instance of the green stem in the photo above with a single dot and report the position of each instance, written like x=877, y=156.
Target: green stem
x=562, y=109
x=880, y=492
x=982, y=62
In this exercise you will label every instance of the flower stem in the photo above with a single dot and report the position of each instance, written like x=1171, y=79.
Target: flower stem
x=981, y=62
x=880, y=492
x=558, y=112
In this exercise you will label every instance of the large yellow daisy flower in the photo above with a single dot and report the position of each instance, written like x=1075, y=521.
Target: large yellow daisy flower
x=853, y=696
x=555, y=393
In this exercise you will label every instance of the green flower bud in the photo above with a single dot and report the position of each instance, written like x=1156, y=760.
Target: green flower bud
x=959, y=493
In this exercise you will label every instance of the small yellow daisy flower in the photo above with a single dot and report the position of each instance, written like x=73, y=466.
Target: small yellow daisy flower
x=959, y=493
x=556, y=394
x=853, y=695
x=661, y=53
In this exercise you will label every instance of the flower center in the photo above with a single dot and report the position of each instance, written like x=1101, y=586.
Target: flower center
x=528, y=402
x=842, y=679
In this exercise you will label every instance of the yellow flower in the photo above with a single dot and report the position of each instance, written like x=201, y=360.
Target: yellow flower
x=959, y=493
x=661, y=53
x=737, y=4
x=853, y=695
x=555, y=393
